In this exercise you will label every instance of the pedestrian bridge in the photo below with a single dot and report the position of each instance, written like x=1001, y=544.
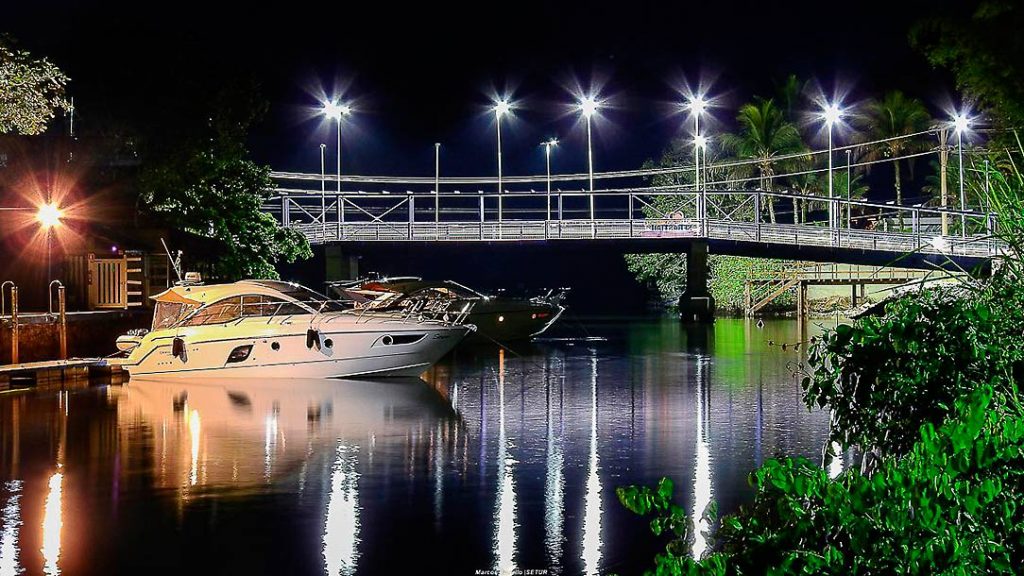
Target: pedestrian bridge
x=779, y=224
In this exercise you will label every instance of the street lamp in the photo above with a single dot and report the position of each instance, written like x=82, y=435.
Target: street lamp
x=49, y=217
x=832, y=114
x=588, y=106
x=697, y=104
x=501, y=108
x=700, y=146
x=849, y=208
x=547, y=159
x=437, y=182
x=323, y=190
x=961, y=123
x=335, y=111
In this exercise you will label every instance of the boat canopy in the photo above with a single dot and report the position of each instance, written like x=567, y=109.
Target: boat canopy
x=206, y=294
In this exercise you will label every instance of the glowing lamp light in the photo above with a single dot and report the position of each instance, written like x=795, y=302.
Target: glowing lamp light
x=700, y=141
x=49, y=215
x=502, y=107
x=588, y=106
x=698, y=104
x=335, y=111
x=832, y=114
x=961, y=123
x=552, y=142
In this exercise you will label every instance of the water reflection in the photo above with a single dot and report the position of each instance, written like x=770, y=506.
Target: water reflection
x=53, y=522
x=592, y=505
x=505, y=530
x=338, y=475
x=10, y=525
x=554, y=478
x=341, y=532
x=702, y=468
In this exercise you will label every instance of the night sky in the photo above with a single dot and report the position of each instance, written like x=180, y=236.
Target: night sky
x=424, y=72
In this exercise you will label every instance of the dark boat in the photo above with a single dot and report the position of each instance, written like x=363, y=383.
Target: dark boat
x=496, y=317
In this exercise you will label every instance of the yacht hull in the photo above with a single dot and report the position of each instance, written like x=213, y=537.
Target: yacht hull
x=281, y=350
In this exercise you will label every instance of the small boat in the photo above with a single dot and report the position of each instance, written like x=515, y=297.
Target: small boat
x=273, y=329
x=496, y=317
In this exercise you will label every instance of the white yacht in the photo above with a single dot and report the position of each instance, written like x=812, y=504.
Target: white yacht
x=273, y=329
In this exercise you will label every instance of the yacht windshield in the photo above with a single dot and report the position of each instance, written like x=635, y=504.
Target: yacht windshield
x=167, y=314
x=315, y=300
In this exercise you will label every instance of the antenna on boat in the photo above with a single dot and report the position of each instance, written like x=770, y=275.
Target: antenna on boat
x=175, y=261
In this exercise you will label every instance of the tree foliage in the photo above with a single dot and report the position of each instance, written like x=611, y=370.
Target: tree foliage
x=31, y=90
x=980, y=42
x=931, y=391
x=207, y=186
x=764, y=134
x=893, y=118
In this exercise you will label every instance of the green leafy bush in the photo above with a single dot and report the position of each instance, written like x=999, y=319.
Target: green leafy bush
x=950, y=506
x=885, y=376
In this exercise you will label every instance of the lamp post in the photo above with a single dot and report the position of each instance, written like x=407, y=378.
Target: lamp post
x=849, y=208
x=547, y=160
x=588, y=106
x=697, y=105
x=437, y=182
x=323, y=190
x=700, y=144
x=831, y=114
x=501, y=108
x=336, y=111
x=960, y=124
x=49, y=216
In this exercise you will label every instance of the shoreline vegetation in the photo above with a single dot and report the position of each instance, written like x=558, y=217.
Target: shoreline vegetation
x=926, y=393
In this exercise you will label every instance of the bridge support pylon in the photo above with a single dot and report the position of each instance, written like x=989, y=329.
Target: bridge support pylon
x=339, y=265
x=696, y=304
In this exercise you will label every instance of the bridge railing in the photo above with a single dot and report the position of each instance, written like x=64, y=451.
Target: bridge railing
x=651, y=212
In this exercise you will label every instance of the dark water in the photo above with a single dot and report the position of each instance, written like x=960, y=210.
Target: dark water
x=501, y=461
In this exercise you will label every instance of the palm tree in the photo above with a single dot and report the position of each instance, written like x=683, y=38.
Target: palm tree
x=896, y=116
x=764, y=134
x=789, y=91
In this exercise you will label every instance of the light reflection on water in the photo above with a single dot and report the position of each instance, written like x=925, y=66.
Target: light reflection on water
x=52, y=524
x=592, y=506
x=702, y=481
x=341, y=532
x=502, y=460
x=10, y=525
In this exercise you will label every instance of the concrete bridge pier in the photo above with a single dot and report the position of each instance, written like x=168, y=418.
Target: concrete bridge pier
x=696, y=304
x=340, y=265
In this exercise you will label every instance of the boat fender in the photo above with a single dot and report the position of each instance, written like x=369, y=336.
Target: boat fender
x=178, y=349
x=312, y=339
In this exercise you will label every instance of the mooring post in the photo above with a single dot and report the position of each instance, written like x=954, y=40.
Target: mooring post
x=14, y=324
x=14, y=316
x=62, y=324
x=63, y=334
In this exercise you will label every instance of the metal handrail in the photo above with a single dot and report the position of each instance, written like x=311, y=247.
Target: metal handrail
x=3, y=301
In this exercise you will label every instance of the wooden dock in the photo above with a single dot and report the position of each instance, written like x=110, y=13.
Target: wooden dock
x=53, y=374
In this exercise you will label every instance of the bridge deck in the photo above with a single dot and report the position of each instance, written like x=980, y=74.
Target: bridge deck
x=789, y=235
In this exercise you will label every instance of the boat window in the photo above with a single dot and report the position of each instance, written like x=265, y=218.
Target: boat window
x=217, y=313
x=167, y=314
x=318, y=302
x=258, y=305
